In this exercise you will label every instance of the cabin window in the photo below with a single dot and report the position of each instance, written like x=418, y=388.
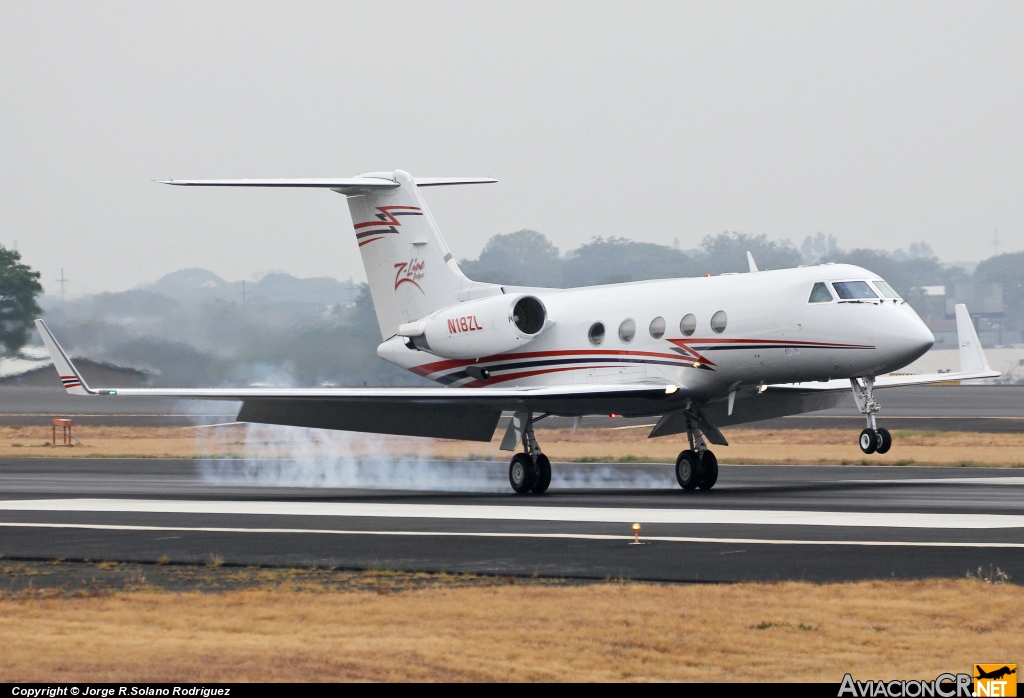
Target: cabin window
x=885, y=289
x=719, y=321
x=658, y=327
x=854, y=290
x=596, y=333
x=688, y=324
x=627, y=330
x=820, y=294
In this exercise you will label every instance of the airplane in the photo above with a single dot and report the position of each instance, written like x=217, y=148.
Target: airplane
x=995, y=674
x=698, y=353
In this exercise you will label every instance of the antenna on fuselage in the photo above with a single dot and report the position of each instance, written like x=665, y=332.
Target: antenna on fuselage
x=750, y=262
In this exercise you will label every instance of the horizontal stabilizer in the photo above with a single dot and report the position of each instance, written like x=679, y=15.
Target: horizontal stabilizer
x=328, y=182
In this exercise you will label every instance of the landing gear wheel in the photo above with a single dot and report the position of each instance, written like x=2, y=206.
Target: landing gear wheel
x=884, y=441
x=689, y=470
x=522, y=473
x=543, y=467
x=710, y=465
x=869, y=441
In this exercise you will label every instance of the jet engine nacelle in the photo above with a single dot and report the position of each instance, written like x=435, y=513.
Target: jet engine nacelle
x=483, y=327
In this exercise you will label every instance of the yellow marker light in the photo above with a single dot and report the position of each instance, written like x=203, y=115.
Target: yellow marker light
x=636, y=534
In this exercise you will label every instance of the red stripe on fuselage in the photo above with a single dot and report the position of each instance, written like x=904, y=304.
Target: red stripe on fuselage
x=784, y=342
x=426, y=369
x=526, y=374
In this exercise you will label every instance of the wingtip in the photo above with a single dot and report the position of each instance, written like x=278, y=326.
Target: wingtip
x=69, y=375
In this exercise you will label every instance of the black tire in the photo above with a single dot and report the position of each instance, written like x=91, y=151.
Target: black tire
x=688, y=470
x=543, y=475
x=522, y=473
x=884, y=441
x=710, y=464
x=868, y=441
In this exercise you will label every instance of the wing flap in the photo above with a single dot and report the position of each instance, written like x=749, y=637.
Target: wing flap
x=447, y=421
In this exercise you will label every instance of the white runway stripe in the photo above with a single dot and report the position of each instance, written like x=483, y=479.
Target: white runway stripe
x=1006, y=480
x=527, y=513
x=469, y=534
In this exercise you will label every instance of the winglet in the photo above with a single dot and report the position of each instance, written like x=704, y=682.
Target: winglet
x=69, y=375
x=972, y=356
x=750, y=262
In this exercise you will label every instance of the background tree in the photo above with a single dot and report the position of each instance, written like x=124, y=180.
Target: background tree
x=819, y=248
x=616, y=260
x=522, y=258
x=19, y=286
x=727, y=252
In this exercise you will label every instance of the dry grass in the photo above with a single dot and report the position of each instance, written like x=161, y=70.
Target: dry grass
x=614, y=445
x=518, y=632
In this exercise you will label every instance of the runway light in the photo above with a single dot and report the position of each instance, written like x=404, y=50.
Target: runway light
x=636, y=534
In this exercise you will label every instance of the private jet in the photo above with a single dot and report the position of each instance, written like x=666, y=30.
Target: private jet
x=698, y=354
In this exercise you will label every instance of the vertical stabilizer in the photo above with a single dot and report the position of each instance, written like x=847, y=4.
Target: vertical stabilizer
x=408, y=265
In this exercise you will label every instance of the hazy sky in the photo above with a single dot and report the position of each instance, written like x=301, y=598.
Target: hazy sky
x=883, y=123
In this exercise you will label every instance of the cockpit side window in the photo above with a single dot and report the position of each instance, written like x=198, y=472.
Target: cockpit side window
x=885, y=289
x=854, y=290
x=820, y=294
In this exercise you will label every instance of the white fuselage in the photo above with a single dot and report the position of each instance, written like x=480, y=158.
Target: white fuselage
x=770, y=332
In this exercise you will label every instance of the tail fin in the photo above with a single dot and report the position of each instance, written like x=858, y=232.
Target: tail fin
x=408, y=265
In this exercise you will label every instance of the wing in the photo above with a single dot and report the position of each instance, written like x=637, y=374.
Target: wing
x=452, y=413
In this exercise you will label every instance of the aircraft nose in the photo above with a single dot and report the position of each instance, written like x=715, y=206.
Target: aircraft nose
x=912, y=339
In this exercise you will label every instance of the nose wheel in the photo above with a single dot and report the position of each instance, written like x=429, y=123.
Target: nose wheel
x=875, y=440
x=872, y=439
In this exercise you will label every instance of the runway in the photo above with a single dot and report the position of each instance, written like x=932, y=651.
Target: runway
x=760, y=523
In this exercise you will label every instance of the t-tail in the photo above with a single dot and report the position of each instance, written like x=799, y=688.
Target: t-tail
x=410, y=270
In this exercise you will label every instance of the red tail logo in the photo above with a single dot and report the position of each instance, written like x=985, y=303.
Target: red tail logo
x=410, y=273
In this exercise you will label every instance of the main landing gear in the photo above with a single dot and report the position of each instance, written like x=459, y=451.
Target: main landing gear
x=872, y=439
x=696, y=467
x=529, y=472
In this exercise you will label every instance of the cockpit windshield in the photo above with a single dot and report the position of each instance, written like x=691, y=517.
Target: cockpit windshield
x=854, y=290
x=885, y=289
x=820, y=294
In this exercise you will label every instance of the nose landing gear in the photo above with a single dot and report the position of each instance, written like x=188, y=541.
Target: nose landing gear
x=872, y=439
